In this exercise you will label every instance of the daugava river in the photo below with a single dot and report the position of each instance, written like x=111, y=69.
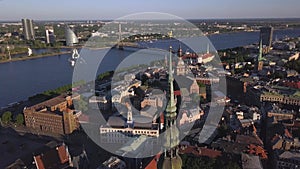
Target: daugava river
x=21, y=79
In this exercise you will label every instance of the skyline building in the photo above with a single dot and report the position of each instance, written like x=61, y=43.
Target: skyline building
x=50, y=36
x=71, y=37
x=266, y=36
x=28, y=30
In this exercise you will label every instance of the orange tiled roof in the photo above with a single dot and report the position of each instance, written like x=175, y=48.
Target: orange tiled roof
x=201, y=151
x=287, y=133
x=39, y=162
x=153, y=163
x=63, y=154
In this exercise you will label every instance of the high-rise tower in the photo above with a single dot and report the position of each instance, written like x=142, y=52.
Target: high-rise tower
x=266, y=36
x=50, y=36
x=172, y=159
x=71, y=37
x=28, y=30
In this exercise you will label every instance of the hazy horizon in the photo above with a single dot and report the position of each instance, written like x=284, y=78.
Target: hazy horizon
x=15, y=10
x=191, y=19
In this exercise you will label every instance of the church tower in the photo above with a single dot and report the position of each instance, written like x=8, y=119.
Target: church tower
x=129, y=114
x=172, y=159
x=180, y=68
x=260, y=59
x=179, y=52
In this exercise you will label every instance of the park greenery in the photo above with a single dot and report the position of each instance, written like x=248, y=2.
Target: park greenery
x=142, y=37
x=191, y=162
x=6, y=117
x=105, y=75
x=19, y=120
x=48, y=94
x=81, y=105
x=293, y=64
x=234, y=55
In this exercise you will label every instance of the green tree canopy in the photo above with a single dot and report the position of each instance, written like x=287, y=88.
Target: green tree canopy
x=6, y=117
x=20, y=119
x=81, y=105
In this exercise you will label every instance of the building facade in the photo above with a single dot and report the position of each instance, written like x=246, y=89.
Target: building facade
x=266, y=35
x=50, y=36
x=54, y=115
x=289, y=160
x=275, y=97
x=28, y=30
x=71, y=37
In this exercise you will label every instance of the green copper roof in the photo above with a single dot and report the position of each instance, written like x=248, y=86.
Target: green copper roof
x=260, y=55
x=172, y=163
x=171, y=107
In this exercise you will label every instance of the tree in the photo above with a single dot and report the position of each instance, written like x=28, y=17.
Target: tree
x=223, y=130
x=232, y=165
x=195, y=98
x=6, y=117
x=81, y=105
x=20, y=119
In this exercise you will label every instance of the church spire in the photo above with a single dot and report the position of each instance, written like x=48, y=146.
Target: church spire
x=172, y=159
x=171, y=107
x=260, y=59
x=129, y=114
x=207, y=49
x=179, y=53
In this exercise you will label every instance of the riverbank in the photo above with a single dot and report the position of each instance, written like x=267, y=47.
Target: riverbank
x=34, y=57
x=37, y=75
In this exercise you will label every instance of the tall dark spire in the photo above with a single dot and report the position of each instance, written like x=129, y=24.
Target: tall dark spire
x=171, y=107
x=179, y=52
x=207, y=48
x=260, y=59
x=171, y=158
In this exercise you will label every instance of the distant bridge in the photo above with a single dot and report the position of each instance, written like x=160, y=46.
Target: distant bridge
x=122, y=45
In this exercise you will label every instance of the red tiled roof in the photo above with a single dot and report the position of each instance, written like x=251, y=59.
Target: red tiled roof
x=287, y=133
x=275, y=138
x=200, y=151
x=248, y=140
x=191, y=55
x=162, y=118
x=84, y=118
x=153, y=163
x=257, y=150
x=177, y=93
x=51, y=102
x=63, y=154
x=296, y=123
x=54, y=158
x=292, y=84
x=39, y=162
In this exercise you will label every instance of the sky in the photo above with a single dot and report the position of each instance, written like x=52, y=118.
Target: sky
x=112, y=9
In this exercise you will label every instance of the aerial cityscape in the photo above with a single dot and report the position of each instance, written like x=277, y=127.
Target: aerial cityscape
x=149, y=85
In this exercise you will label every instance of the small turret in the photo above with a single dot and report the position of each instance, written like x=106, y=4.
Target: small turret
x=179, y=52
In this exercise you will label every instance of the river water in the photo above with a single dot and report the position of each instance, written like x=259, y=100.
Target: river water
x=21, y=79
